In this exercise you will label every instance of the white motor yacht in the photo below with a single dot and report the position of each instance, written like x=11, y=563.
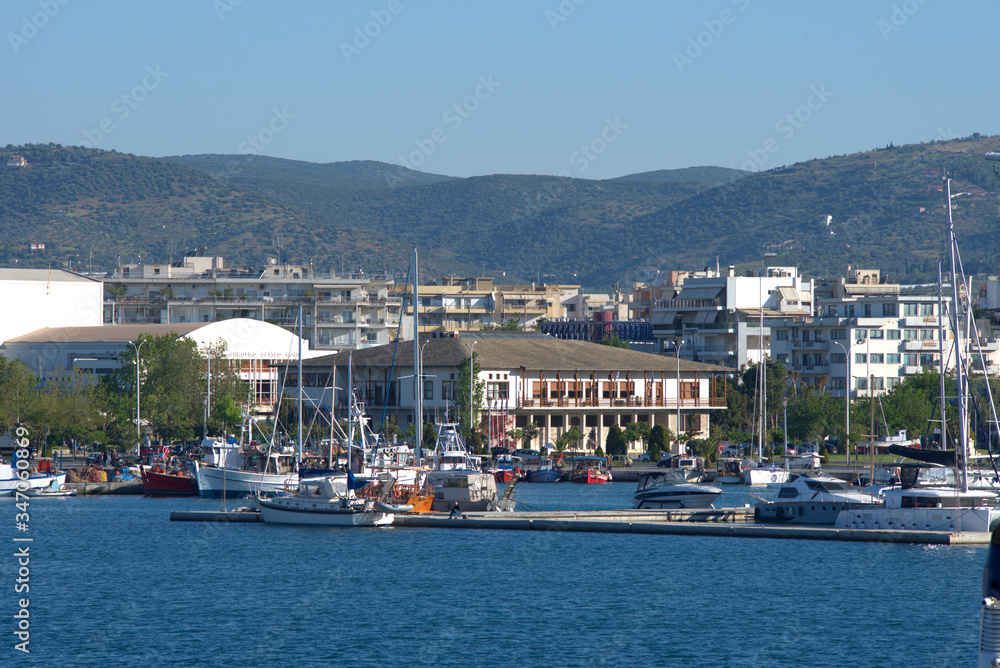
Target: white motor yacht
x=666, y=490
x=812, y=499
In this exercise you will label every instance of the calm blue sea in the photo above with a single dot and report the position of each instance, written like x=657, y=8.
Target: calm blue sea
x=113, y=582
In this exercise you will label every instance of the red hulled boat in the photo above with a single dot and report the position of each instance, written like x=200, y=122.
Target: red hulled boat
x=157, y=481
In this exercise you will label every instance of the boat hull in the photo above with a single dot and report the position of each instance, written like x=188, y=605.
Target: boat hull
x=920, y=519
x=37, y=481
x=762, y=477
x=590, y=477
x=213, y=482
x=802, y=512
x=543, y=475
x=167, y=484
x=673, y=497
x=320, y=513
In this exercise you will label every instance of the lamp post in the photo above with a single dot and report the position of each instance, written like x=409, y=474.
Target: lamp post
x=138, y=432
x=847, y=399
x=677, y=350
x=784, y=404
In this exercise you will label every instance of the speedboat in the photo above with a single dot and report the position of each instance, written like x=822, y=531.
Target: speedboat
x=658, y=489
x=812, y=499
x=327, y=502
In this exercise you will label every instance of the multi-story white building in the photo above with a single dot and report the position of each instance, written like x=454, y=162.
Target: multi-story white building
x=716, y=318
x=865, y=338
x=338, y=312
x=31, y=299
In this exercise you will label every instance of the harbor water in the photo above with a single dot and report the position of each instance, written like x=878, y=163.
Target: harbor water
x=113, y=582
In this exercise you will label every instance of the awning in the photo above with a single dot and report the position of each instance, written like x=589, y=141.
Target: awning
x=704, y=316
x=789, y=294
x=699, y=293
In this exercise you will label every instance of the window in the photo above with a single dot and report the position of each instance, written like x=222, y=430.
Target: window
x=878, y=383
x=927, y=360
x=910, y=334
x=927, y=309
x=832, y=310
x=860, y=383
x=782, y=334
x=837, y=384
x=876, y=334
x=837, y=358
x=910, y=309
x=783, y=358
x=838, y=334
x=890, y=310
x=927, y=335
x=861, y=334
x=892, y=358
x=910, y=359
x=850, y=310
x=868, y=310
x=496, y=390
x=448, y=390
x=893, y=335
x=876, y=358
x=860, y=358
x=892, y=381
x=428, y=389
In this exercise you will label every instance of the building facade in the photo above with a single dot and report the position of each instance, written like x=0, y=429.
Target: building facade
x=31, y=299
x=338, y=312
x=554, y=384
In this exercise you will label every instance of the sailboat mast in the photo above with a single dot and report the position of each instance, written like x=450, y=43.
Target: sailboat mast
x=418, y=394
x=300, y=388
x=963, y=436
x=941, y=362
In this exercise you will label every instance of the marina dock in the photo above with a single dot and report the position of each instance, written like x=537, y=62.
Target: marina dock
x=727, y=522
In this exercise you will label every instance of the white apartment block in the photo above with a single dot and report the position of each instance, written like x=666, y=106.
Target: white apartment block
x=338, y=312
x=32, y=299
x=864, y=339
x=716, y=318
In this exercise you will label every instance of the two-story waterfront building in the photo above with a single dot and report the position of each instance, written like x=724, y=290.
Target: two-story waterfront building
x=552, y=383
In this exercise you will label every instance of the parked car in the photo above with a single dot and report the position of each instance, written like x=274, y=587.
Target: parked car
x=644, y=457
x=620, y=460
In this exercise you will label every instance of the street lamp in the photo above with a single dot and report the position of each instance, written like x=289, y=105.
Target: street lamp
x=677, y=350
x=847, y=399
x=138, y=434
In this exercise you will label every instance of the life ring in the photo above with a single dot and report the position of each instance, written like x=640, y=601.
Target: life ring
x=774, y=478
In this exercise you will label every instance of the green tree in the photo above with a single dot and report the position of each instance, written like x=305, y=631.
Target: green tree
x=574, y=435
x=528, y=433
x=461, y=398
x=615, y=341
x=615, y=442
x=636, y=431
x=19, y=400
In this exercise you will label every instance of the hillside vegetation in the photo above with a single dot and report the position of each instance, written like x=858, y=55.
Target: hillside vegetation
x=91, y=206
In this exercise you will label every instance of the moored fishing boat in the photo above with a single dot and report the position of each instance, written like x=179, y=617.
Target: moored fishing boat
x=158, y=481
x=590, y=470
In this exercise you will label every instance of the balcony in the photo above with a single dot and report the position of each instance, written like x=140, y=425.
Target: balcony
x=928, y=346
x=685, y=304
x=810, y=345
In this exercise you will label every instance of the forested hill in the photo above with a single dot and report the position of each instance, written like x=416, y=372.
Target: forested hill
x=886, y=207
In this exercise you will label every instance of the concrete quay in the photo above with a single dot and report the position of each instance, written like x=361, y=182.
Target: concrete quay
x=660, y=522
x=95, y=488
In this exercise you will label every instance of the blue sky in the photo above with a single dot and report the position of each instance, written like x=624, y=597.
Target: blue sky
x=585, y=88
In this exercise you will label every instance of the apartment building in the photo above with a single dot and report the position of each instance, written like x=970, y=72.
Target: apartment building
x=865, y=338
x=716, y=317
x=338, y=312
